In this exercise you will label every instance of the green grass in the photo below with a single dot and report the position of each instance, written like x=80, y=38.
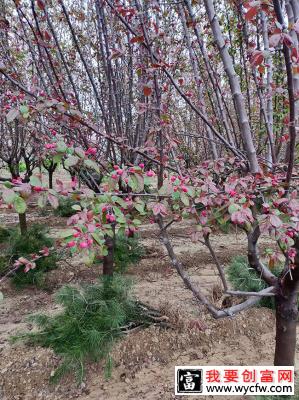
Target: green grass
x=244, y=278
x=18, y=245
x=65, y=207
x=127, y=251
x=91, y=321
x=5, y=234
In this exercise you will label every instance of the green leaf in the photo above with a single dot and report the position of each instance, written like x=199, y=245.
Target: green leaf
x=71, y=161
x=166, y=189
x=35, y=181
x=140, y=207
x=92, y=164
x=104, y=251
x=97, y=238
x=42, y=200
x=185, y=199
x=61, y=147
x=76, y=207
x=149, y=180
x=57, y=159
x=8, y=184
x=24, y=109
x=136, y=182
x=176, y=195
x=66, y=233
x=233, y=208
x=20, y=205
x=79, y=152
x=119, y=201
x=9, y=196
x=117, y=211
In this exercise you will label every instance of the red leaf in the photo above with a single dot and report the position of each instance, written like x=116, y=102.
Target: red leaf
x=40, y=4
x=137, y=39
x=257, y=58
x=275, y=39
x=251, y=13
x=147, y=91
x=294, y=55
x=47, y=36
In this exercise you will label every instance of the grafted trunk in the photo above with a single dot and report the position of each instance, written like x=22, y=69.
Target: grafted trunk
x=108, y=261
x=286, y=320
x=286, y=302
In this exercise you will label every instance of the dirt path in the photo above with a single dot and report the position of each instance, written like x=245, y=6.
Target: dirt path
x=144, y=360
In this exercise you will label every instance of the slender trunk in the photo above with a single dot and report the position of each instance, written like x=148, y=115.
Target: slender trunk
x=270, y=155
x=290, y=153
x=50, y=172
x=108, y=261
x=235, y=87
x=23, y=223
x=198, y=80
x=292, y=13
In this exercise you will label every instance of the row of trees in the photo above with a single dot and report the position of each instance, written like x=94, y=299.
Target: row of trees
x=156, y=89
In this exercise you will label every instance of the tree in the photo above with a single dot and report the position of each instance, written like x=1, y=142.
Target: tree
x=126, y=94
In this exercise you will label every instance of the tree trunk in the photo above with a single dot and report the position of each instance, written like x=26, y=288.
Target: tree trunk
x=239, y=103
x=286, y=302
x=108, y=261
x=198, y=81
x=286, y=320
x=23, y=223
x=50, y=172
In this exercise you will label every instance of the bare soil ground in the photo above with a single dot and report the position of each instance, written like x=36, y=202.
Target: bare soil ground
x=144, y=360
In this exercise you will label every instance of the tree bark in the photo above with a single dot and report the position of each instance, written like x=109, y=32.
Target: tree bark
x=286, y=302
x=239, y=103
x=23, y=223
x=50, y=172
x=108, y=261
x=290, y=153
x=198, y=79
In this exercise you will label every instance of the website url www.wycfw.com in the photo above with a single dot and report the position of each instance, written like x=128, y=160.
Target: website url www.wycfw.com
x=234, y=380
x=254, y=389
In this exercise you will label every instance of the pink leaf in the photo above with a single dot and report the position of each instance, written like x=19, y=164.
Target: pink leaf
x=275, y=221
x=159, y=208
x=275, y=39
x=287, y=40
x=53, y=200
